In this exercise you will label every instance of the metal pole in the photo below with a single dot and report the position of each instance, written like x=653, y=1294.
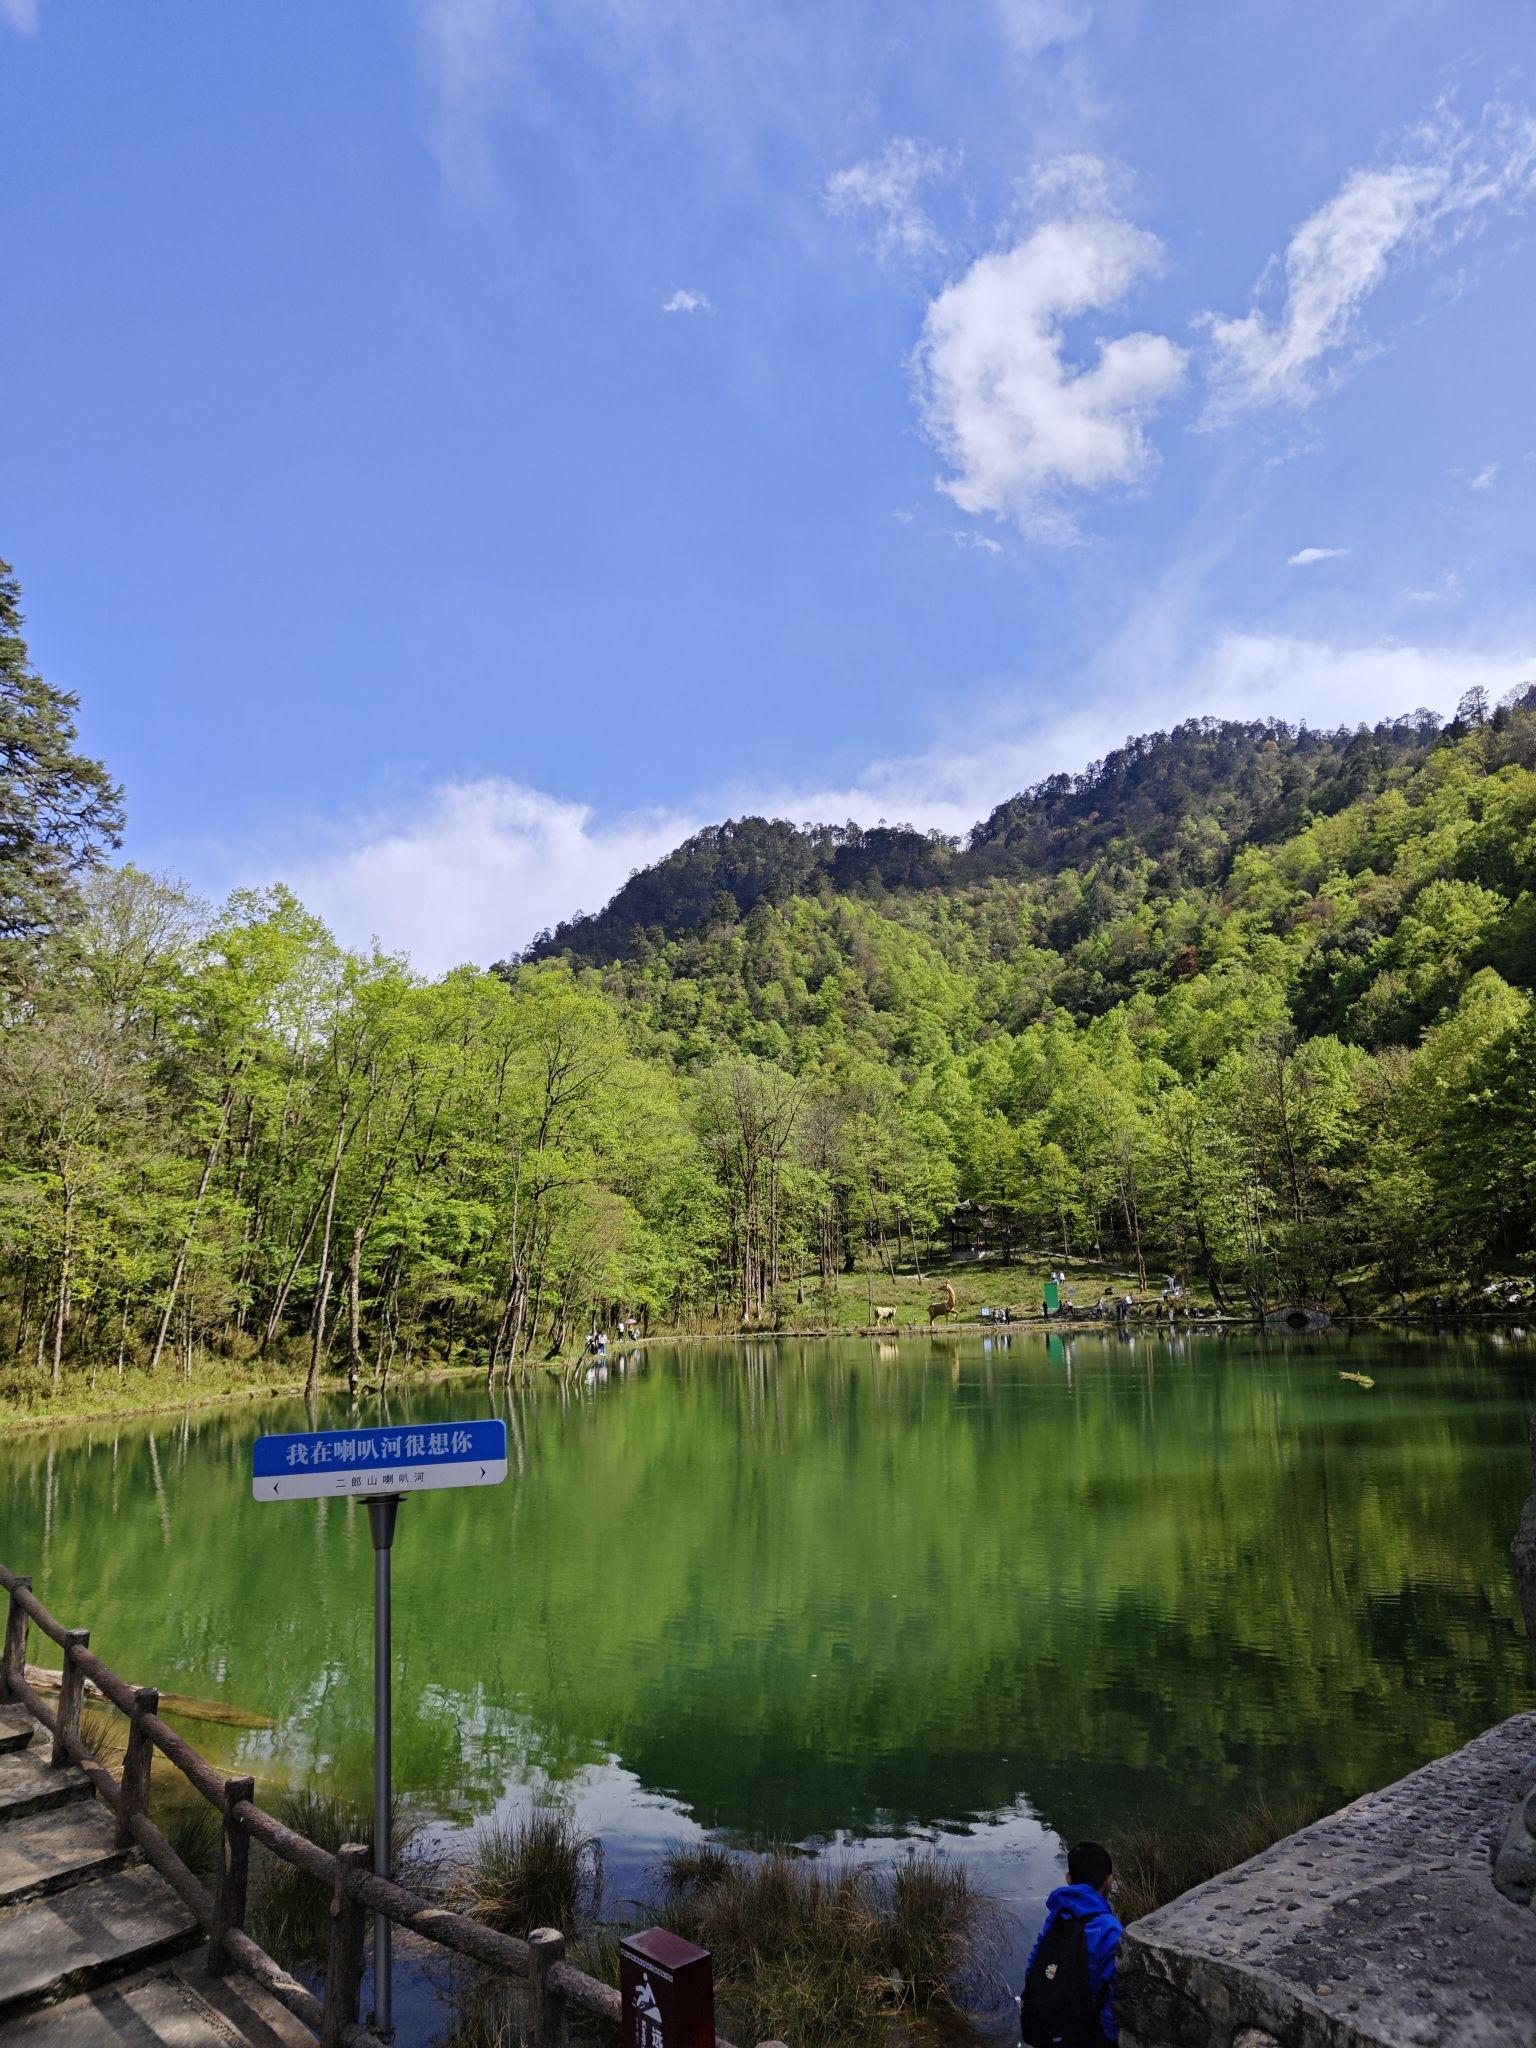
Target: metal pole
x=381, y=1526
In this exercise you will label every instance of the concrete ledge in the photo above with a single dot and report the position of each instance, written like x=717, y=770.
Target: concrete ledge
x=1376, y=1928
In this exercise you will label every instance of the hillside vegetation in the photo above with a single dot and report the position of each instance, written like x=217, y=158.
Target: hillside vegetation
x=1241, y=1002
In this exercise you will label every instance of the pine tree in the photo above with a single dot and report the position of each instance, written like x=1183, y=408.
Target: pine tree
x=59, y=812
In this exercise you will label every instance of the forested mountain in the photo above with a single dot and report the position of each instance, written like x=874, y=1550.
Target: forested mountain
x=1185, y=801
x=1247, y=1003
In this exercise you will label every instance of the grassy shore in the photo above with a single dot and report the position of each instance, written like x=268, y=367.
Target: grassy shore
x=213, y=1382
x=847, y=1309
x=27, y=1400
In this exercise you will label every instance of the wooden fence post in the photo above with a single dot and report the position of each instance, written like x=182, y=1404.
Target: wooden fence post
x=137, y=1761
x=71, y=1698
x=234, y=1873
x=546, y=2002
x=16, y=1626
x=344, y=1963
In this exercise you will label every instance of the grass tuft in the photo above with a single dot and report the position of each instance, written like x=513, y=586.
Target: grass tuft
x=290, y=1912
x=1155, y=1865
x=534, y=1868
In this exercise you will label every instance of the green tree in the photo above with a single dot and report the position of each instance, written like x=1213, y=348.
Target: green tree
x=60, y=813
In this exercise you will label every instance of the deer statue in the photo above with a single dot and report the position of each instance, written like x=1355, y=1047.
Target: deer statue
x=943, y=1308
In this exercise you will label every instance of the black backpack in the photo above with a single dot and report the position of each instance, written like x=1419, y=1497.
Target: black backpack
x=1057, y=2008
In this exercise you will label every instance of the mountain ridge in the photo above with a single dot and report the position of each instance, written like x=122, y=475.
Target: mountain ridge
x=1188, y=799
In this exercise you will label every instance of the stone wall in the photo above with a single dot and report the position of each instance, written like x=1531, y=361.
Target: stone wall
x=1379, y=1927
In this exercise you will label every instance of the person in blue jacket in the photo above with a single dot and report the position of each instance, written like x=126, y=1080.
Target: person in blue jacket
x=1085, y=1896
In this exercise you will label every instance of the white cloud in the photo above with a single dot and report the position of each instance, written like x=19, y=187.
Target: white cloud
x=1447, y=182
x=885, y=191
x=1486, y=477
x=1304, y=557
x=473, y=869
x=964, y=538
x=1446, y=589
x=1032, y=26
x=905, y=514
x=683, y=301
x=1017, y=422
x=20, y=15
x=471, y=51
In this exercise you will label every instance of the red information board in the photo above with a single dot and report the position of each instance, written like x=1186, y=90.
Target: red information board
x=668, y=1988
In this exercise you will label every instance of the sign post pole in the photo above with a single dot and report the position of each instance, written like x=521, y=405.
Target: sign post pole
x=380, y=1466
x=381, y=1525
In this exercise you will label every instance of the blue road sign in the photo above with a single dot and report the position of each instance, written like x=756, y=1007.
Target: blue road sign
x=373, y=1464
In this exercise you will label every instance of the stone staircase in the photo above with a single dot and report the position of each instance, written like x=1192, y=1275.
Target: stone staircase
x=95, y=1947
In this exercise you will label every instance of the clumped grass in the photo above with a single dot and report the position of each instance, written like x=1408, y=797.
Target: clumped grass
x=193, y=1828
x=290, y=1912
x=810, y=1952
x=535, y=1868
x=490, y=2013
x=1154, y=1865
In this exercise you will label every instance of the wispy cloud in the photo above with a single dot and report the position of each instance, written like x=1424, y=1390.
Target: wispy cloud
x=1446, y=589
x=963, y=537
x=885, y=193
x=1020, y=425
x=20, y=15
x=1486, y=477
x=683, y=301
x=1032, y=26
x=1445, y=183
x=471, y=49
x=1304, y=557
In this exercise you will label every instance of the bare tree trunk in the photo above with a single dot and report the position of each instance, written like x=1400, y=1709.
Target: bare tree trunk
x=355, y=1311
x=280, y=1301
x=323, y=1281
x=61, y=1315
x=179, y=1272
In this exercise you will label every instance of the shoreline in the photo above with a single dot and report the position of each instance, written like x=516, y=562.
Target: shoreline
x=32, y=1420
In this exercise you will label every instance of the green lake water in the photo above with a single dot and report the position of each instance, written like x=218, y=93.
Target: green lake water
x=1001, y=1591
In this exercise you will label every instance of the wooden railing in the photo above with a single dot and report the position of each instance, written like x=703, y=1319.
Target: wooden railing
x=356, y=1890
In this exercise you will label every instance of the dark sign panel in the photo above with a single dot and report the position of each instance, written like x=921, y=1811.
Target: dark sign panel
x=668, y=1988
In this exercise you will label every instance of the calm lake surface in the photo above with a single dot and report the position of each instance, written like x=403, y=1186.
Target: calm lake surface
x=998, y=1592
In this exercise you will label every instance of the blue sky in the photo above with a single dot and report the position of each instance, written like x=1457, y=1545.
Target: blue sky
x=456, y=447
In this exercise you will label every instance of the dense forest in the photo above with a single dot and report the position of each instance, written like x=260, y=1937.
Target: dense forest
x=1243, y=1002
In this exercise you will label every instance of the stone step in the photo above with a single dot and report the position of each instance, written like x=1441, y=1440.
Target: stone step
x=29, y=1783
x=47, y=1852
x=17, y=1728
x=174, y=2007
x=77, y=1940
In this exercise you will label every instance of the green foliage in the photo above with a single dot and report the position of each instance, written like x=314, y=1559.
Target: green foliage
x=1240, y=1003
x=59, y=812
